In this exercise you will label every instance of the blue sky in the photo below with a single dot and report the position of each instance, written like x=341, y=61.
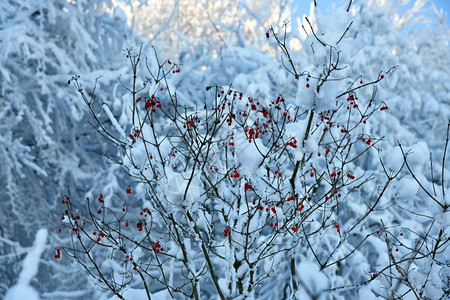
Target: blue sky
x=327, y=4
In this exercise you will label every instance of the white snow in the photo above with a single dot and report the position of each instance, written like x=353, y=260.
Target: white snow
x=22, y=290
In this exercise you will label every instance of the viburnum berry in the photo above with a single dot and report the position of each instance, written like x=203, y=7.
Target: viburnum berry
x=294, y=229
x=248, y=186
x=301, y=207
x=226, y=231
x=128, y=190
x=267, y=34
x=58, y=253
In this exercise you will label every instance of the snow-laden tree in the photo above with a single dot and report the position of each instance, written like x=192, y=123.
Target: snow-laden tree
x=181, y=26
x=277, y=186
x=46, y=144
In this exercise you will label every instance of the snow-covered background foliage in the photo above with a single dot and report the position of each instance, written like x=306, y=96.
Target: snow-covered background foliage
x=48, y=147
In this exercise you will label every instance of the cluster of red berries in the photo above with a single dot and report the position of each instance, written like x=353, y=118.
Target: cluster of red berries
x=214, y=169
x=235, y=174
x=145, y=212
x=134, y=135
x=352, y=100
x=291, y=198
x=292, y=143
x=99, y=236
x=368, y=141
x=278, y=173
x=140, y=224
x=66, y=201
x=157, y=247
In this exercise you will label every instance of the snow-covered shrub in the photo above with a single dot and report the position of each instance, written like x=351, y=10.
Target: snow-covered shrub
x=267, y=197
